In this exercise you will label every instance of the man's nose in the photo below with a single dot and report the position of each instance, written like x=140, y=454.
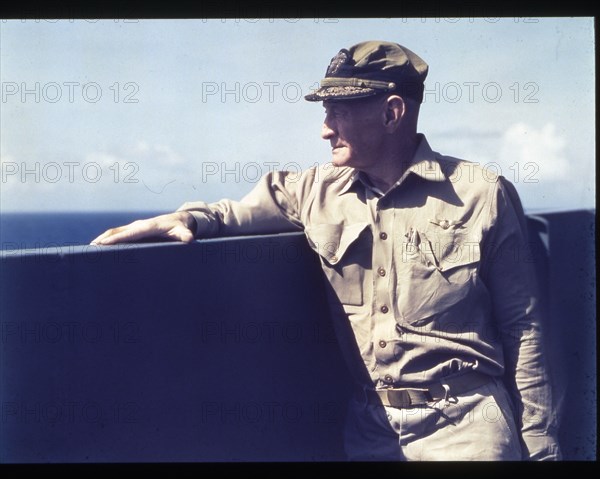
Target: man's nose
x=326, y=131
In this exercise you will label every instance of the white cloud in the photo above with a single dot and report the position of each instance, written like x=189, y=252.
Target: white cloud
x=151, y=164
x=137, y=175
x=533, y=158
x=535, y=153
x=161, y=155
x=105, y=160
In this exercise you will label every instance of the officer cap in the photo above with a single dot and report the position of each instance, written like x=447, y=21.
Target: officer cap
x=372, y=67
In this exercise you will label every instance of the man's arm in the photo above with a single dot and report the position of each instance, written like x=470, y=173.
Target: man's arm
x=509, y=273
x=271, y=207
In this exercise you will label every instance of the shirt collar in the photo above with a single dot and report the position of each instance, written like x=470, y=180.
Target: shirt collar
x=424, y=164
x=351, y=181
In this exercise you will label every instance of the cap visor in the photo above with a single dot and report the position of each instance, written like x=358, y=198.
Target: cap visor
x=340, y=93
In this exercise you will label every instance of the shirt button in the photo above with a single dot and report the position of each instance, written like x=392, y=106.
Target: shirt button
x=383, y=236
x=334, y=259
x=445, y=224
x=381, y=272
x=382, y=344
x=388, y=378
x=384, y=309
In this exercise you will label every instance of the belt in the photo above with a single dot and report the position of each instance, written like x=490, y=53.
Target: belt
x=408, y=397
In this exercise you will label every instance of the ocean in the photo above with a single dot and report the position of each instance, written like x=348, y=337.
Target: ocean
x=46, y=230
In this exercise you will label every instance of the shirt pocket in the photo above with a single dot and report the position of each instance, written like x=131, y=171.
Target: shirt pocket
x=437, y=271
x=345, y=254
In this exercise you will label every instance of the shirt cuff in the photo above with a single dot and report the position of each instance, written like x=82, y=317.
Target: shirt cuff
x=205, y=228
x=542, y=448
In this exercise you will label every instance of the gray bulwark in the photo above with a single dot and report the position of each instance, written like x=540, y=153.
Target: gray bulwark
x=223, y=350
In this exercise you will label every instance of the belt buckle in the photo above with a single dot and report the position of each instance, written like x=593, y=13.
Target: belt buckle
x=406, y=397
x=421, y=396
x=398, y=398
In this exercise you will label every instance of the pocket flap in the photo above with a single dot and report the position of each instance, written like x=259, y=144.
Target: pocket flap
x=331, y=241
x=449, y=251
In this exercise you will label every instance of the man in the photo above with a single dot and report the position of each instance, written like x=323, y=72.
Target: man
x=432, y=297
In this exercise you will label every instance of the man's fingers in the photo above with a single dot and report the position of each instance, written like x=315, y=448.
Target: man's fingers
x=103, y=236
x=166, y=226
x=131, y=232
x=122, y=236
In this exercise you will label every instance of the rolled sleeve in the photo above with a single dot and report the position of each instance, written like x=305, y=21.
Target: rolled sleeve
x=202, y=213
x=271, y=207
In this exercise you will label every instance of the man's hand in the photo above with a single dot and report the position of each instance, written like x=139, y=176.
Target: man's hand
x=178, y=226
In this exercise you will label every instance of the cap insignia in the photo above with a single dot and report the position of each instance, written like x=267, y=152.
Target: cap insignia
x=337, y=61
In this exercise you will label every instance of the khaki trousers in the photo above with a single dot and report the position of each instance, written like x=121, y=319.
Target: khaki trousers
x=478, y=425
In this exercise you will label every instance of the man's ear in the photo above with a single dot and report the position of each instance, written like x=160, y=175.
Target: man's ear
x=393, y=112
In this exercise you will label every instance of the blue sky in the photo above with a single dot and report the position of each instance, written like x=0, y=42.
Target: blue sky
x=148, y=114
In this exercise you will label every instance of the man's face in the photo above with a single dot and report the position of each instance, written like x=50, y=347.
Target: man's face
x=355, y=130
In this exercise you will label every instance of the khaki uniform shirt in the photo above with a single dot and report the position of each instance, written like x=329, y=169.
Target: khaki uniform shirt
x=429, y=279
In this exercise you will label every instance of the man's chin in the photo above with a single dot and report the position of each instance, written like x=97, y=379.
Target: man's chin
x=337, y=160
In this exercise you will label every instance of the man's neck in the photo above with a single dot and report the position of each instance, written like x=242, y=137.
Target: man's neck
x=390, y=167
